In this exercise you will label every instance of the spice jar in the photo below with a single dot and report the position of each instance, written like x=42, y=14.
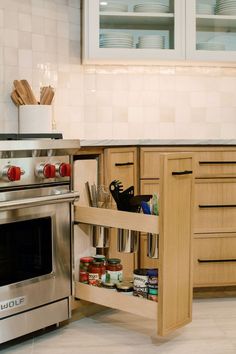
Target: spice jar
x=83, y=269
x=97, y=273
x=125, y=288
x=114, y=270
x=152, y=284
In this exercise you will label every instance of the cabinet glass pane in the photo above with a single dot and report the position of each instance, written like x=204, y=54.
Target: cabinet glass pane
x=216, y=25
x=139, y=24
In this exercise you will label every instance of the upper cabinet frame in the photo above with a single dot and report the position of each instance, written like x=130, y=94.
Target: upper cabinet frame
x=171, y=25
x=184, y=27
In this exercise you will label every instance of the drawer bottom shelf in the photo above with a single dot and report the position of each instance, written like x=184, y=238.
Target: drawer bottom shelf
x=115, y=300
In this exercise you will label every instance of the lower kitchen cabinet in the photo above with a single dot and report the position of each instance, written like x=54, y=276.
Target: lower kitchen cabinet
x=174, y=226
x=214, y=259
x=214, y=208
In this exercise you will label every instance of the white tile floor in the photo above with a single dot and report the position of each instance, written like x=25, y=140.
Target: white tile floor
x=212, y=331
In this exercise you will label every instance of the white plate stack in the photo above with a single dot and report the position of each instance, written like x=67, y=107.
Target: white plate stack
x=205, y=9
x=112, y=6
x=210, y=46
x=151, y=42
x=116, y=40
x=226, y=7
x=152, y=7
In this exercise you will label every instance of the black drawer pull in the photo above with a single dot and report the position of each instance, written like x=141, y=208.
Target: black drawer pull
x=216, y=260
x=179, y=173
x=217, y=206
x=124, y=163
x=217, y=162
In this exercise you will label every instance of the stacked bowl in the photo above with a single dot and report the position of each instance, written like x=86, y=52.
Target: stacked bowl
x=151, y=42
x=112, y=6
x=114, y=39
x=225, y=7
x=152, y=7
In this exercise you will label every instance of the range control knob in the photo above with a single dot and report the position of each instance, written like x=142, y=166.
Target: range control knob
x=63, y=169
x=45, y=170
x=12, y=173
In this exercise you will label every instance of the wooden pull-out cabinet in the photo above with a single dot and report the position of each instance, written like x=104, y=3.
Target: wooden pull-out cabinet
x=174, y=226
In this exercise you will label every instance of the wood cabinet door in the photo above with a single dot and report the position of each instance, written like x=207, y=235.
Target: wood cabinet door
x=121, y=164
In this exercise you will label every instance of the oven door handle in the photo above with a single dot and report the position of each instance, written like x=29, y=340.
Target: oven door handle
x=69, y=197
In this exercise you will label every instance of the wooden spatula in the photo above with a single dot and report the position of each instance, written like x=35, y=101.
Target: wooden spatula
x=29, y=92
x=21, y=91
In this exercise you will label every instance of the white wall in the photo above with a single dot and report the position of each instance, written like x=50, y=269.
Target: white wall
x=40, y=41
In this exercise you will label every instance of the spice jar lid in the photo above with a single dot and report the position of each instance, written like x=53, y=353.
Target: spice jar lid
x=152, y=272
x=86, y=259
x=113, y=261
x=108, y=285
x=141, y=271
x=124, y=286
x=99, y=258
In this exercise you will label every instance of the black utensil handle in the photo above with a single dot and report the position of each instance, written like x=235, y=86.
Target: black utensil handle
x=216, y=260
x=179, y=173
x=217, y=206
x=217, y=162
x=124, y=163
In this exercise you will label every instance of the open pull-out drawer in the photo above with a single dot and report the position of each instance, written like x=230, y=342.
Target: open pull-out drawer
x=174, y=226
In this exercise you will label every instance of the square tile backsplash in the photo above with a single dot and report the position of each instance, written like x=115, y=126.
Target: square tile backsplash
x=40, y=41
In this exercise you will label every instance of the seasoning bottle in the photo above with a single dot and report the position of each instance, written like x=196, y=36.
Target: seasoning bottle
x=97, y=273
x=114, y=270
x=152, y=284
x=83, y=269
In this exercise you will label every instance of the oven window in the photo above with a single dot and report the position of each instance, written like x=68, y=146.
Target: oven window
x=25, y=250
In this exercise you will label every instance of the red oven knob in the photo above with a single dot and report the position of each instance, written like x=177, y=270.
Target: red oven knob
x=63, y=169
x=12, y=173
x=46, y=170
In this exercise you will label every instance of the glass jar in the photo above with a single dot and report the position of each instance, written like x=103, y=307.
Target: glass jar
x=97, y=273
x=83, y=269
x=152, y=284
x=114, y=270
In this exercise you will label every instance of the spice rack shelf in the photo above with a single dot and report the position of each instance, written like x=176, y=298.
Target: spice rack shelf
x=115, y=300
x=174, y=226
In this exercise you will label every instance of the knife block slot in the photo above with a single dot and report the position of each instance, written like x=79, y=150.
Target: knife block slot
x=127, y=241
x=153, y=245
x=100, y=236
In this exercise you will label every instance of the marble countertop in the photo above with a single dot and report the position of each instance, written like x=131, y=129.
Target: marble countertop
x=164, y=142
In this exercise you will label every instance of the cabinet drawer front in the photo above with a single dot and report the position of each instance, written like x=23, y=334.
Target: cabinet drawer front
x=149, y=163
x=215, y=164
x=150, y=186
x=214, y=261
x=215, y=206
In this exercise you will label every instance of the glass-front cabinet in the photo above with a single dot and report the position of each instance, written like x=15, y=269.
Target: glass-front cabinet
x=211, y=30
x=148, y=31
x=121, y=31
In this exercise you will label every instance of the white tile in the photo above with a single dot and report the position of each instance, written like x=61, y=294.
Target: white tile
x=38, y=42
x=25, y=58
x=10, y=56
x=11, y=19
x=25, y=40
x=25, y=22
x=10, y=38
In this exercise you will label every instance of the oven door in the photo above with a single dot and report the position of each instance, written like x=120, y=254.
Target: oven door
x=35, y=248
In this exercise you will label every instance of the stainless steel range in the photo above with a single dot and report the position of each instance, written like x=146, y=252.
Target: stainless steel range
x=35, y=234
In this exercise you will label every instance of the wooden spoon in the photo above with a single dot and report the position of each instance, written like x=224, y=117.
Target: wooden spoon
x=29, y=92
x=14, y=98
